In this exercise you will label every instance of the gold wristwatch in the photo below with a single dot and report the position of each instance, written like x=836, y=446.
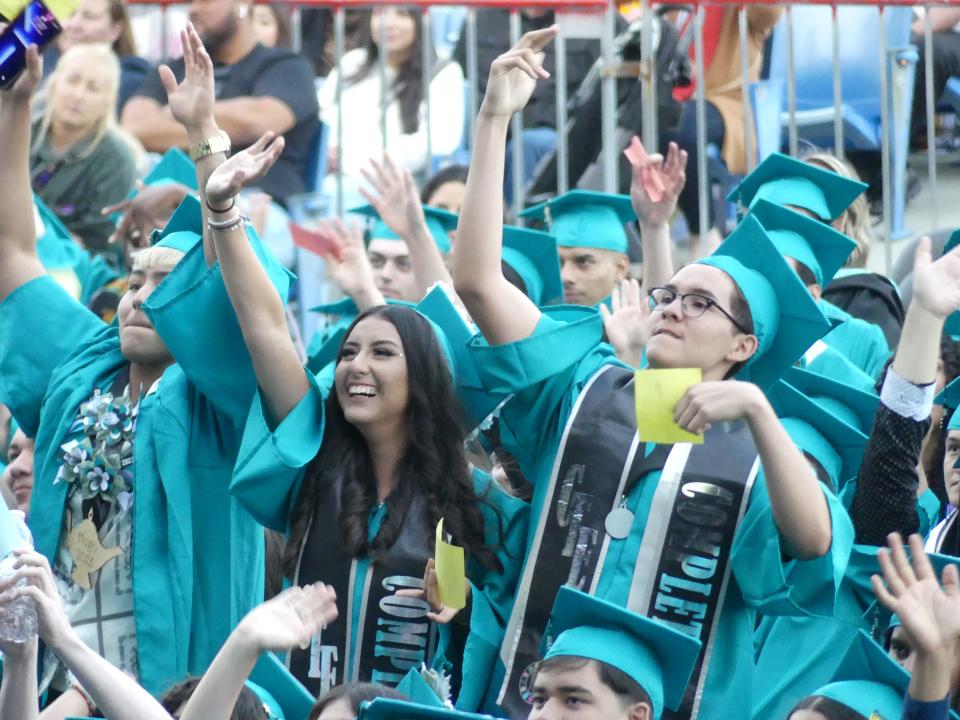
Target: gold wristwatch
x=217, y=144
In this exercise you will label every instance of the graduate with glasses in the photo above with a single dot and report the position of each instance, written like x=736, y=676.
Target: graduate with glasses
x=608, y=510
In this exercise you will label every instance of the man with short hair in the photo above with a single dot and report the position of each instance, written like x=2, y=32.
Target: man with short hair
x=257, y=89
x=608, y=663
x=591, y=239
x=137, y=423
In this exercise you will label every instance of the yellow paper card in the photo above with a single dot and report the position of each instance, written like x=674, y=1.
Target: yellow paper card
x=656, y=393
x=451, y=576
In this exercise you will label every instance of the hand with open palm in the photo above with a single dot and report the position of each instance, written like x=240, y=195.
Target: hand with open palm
x=396, y=199
x=669, y=174
x=513, y=76
x=243, y=169
x=349, y=265
x=929, y=609
x=191, y=101
x=290, y=619
x=626, y=325
x=936, y=285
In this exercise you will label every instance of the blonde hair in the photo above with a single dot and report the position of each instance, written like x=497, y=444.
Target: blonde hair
x=855, y=220
x=86, y=55
x=154, y=258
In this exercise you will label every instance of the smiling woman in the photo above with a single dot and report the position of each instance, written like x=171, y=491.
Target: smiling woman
x=360, y=478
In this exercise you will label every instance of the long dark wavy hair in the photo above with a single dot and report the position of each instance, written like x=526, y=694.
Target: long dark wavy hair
x=407, y=86
x=434, y=463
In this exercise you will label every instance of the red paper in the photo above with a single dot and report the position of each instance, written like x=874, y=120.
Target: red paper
x=635, y=152
x=317, y=243
x=649, y=177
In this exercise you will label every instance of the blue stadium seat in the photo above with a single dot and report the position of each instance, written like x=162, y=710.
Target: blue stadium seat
x=860, y=82
x=951, y=95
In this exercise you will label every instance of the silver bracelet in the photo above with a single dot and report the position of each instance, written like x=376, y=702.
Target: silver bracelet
x=227, y=225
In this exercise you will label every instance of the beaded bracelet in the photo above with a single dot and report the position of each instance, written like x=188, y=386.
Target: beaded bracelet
x=225, y=226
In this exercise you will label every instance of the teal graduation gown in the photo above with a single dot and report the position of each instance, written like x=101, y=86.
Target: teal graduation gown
x=861, y=342
x=267, y=480
x=197, y=553
x=797, y=655
x=547, y=371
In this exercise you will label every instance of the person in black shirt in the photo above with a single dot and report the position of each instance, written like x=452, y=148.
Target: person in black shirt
x=257, y=89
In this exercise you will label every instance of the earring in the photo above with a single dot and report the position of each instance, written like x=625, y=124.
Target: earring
x=242, y=12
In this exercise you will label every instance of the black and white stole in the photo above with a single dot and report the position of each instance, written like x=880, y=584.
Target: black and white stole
x=393, y=633
x=682, y=568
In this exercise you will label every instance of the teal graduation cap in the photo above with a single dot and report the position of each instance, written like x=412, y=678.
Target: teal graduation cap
x=868, y=681
x=533, y=256
x=786, y=181
x=384, y=709
x=659, y=658
x=416, y=689
x=174, y=166
x=949, y=397
x=815, y=244
x=184, y=228
x=786, y=320
x=584, y=218
x=439, y=223
x=835, y=444
x=853, y=406
x=282, y=694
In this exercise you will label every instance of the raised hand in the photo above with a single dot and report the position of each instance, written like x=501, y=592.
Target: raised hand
x=53, y=625
x=243, y=169
x=668, y=176
x=396, y=199
x=930, y=613
x=716, y=401
x=936, y=285
x=626, y=324
x=191, y=101
x=349, y=265
x=513, y=75
x=290, y=619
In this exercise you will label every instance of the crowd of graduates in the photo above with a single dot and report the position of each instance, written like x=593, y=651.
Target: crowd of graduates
x=794, y=560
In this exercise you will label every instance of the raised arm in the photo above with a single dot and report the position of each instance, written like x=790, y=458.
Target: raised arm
x=259, y=307
x=116, y=695
x=397, y=202
x=18, y=254
x=799, y=507
x=652, y=178
x=289, y=620
x=886, y=492
x=503, y=313
x=191, y=103
x=930, y=615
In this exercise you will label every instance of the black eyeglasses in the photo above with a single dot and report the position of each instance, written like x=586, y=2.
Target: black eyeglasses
x=692, y=305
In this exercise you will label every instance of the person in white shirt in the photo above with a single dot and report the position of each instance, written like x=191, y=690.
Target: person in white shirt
x=406, y=109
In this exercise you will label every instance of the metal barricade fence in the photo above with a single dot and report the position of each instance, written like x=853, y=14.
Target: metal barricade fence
x=893, y=65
